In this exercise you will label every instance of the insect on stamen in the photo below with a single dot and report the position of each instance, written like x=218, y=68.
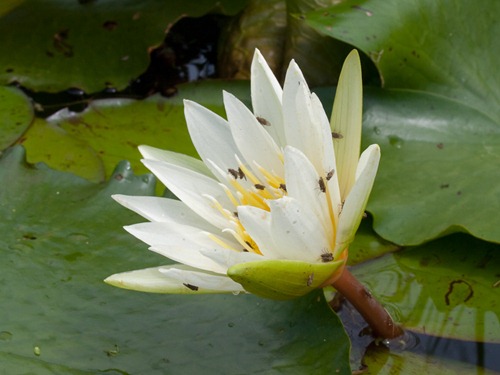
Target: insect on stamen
x=241, y=174
x=233, y=172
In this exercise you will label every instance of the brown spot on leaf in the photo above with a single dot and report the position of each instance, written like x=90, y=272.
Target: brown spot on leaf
x=110, y=25
x=451, y=288
x=59, y=41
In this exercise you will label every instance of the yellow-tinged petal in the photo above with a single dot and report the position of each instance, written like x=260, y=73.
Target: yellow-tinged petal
x=346, y=122
x=354, y=206
x=173, y=279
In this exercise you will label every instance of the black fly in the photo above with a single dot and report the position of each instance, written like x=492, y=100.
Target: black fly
x=190, y=286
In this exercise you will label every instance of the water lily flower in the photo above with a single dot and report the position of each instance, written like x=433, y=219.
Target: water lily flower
x=273, y=203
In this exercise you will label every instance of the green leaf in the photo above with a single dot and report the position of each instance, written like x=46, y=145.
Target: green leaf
x=17, y=114
x=440, y=153
x=439, y=167
x=282, y=279
x=62, y=151
x=61, y=236
x=368, y=245
x=111, y=129
x=438, y=171
x=446, y=288
x=381, y=361
x=443, y=47
x=87, y=44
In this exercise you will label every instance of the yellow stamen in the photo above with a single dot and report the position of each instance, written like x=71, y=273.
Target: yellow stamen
x=230, y=195
x=219, y=241
x=244, y=240
x=249, y=174
x=215, y=203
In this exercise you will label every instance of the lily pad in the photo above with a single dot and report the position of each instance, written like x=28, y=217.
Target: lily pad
x=111, y=129
x=61, y=236
x=62, y=151
x=87, y=44
x=440, y=139
x=448, y=288
x=442, y=47
x=368, y=245
x=439, y=167
x=381, y=361
x=17, y=114
x=438, y=172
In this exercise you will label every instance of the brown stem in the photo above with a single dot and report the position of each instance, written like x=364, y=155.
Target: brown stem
x=370, y=309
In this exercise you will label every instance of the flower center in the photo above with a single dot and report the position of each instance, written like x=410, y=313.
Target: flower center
x=249, y=190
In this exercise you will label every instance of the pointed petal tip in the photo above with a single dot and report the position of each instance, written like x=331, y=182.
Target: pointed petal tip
x=116, y=197
x=113, y=280
x=257, y=55
x=145, y=150
x=354, y=54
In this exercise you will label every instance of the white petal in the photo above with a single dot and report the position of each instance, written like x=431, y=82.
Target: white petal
x=171, y=157
x=163, y=210
x=257, y=223
x=297, y=230
x=190, y=187
x=295, y=90
x=254, y=143
x=346, y=121
x=302, y=183
x=266, y=98
x=328, y=154
x=357, y=199
x=227, y=258
x=180, y=243
x=204, y=281
x=212, y=138
x=170, y=279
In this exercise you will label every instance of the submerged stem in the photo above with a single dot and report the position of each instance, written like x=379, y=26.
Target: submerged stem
x=371, y=310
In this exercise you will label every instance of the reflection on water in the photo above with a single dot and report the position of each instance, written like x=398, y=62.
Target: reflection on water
x=415, y=353
x=477, y=353
x=445, y=293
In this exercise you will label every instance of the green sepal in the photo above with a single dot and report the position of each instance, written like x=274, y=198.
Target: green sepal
x=282, y=279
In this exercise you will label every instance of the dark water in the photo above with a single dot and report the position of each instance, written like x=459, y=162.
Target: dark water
x=432, y=349
x=188, y=53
